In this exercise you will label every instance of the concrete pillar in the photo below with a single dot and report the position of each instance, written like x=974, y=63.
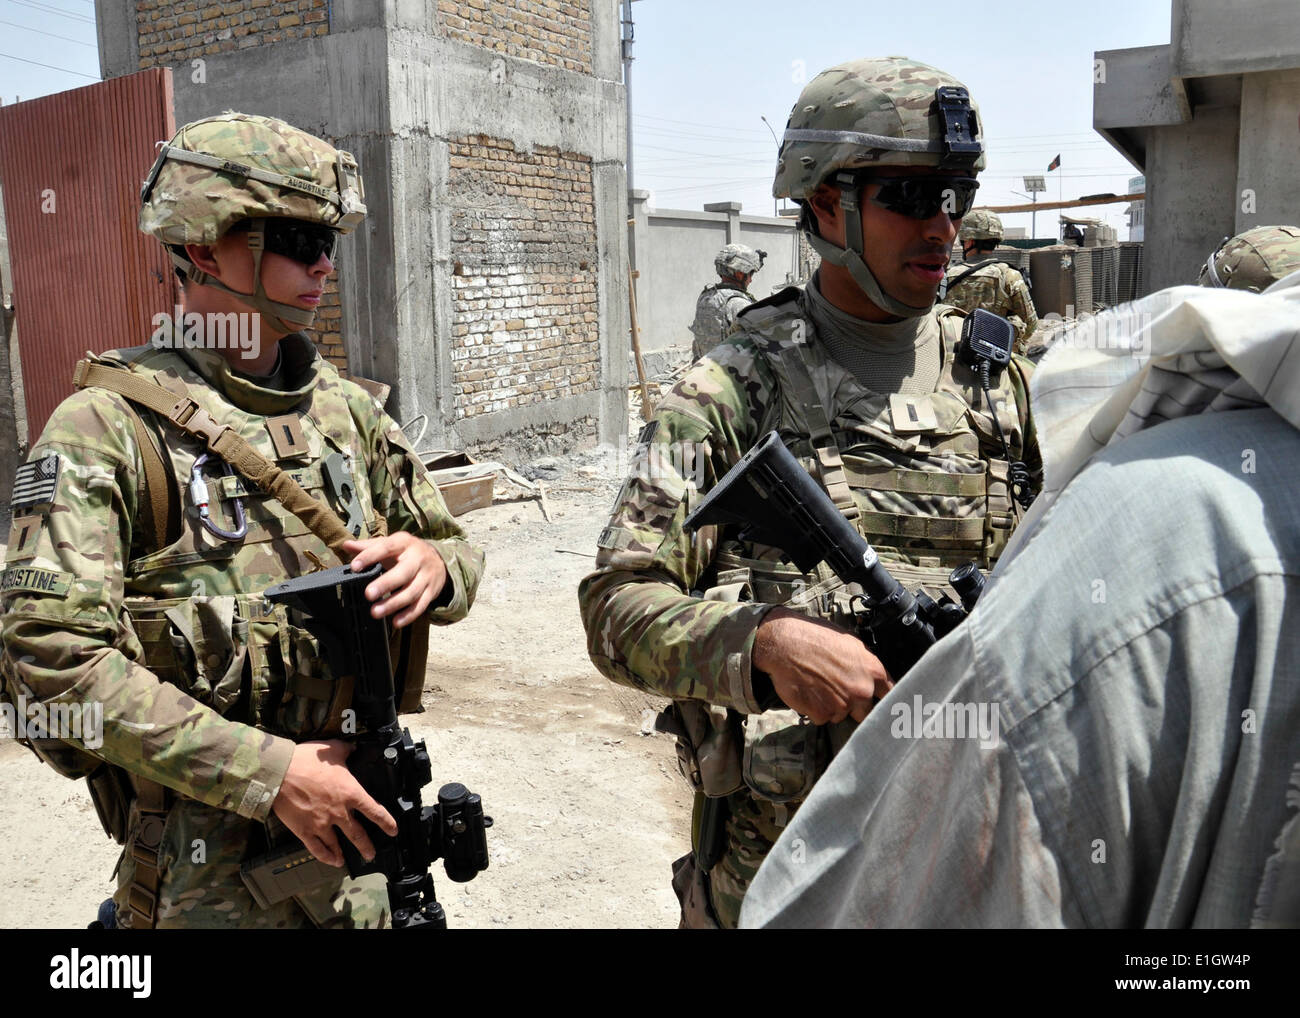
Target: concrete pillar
x=732, y=210
x=13, y=408
x=1268, y=191
x=615, y=313
x=119, y=38
x=1190, y=168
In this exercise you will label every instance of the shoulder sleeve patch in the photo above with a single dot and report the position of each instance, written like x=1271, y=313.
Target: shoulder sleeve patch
x=35, y=484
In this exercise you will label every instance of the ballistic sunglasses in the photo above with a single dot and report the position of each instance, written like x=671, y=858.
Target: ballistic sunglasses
x=293, y=238
x=924, y=197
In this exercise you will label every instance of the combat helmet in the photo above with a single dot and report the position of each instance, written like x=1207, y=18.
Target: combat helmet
x=224, y=169
x=738, y=260
x=980, y=224
x=889, y=111
x=1253, y=260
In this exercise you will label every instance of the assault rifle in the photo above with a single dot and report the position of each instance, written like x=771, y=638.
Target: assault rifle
x=777, y=503
x=386, y=763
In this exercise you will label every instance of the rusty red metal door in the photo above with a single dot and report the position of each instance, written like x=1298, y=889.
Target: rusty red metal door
x=84, y=276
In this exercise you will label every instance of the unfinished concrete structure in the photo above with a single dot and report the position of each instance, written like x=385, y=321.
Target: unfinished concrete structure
x=488, y=283
x=1210, y=120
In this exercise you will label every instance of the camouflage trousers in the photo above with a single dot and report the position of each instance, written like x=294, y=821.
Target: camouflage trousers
x=200, y=886
x=752, y=829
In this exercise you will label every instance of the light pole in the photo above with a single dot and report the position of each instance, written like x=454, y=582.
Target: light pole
x=1034, y=185
x=775, y=213
x=629, y=33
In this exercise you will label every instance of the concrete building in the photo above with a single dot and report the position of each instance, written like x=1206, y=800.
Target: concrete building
x=488, y=283
x=1210, y=120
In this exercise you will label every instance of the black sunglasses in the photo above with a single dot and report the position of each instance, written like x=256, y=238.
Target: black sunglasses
x=292, y=238
x=924, y=197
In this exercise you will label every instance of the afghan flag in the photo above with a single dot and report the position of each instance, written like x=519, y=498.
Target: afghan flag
x=1055, y=163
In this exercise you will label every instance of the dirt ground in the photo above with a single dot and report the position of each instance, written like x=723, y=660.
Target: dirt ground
x=588, y=804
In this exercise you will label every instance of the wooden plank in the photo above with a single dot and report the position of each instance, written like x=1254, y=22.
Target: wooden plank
x=1045, y=206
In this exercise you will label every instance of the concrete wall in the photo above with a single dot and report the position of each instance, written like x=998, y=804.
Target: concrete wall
x=399, y=83
x=674, y=250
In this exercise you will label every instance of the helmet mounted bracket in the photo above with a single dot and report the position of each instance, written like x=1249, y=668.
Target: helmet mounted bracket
x=961, y=144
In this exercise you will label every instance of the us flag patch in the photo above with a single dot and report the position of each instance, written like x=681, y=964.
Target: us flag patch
x=35, y=483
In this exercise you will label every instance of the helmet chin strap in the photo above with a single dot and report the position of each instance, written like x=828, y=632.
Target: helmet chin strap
x=851, y=257
x=280, y=317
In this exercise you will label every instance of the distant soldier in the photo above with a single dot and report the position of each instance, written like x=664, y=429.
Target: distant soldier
x=987, y=282
x=1253, y=260
x=718, y=305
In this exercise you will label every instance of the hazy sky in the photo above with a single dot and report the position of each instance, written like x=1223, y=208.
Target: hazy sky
x=706, y=72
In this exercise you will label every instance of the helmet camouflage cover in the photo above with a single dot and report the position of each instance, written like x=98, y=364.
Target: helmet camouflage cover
x=737, y=259
x=218, y=171
x=883, y=111
x=980, y=224
x=1254, y=260
x=887, y=111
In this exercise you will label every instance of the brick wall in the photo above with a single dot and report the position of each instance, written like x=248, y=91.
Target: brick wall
x=548, y=31
x=326, y=328
x=524, y=260
x=172, y=32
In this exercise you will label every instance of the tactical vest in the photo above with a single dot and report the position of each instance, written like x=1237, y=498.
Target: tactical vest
x=710, y=326
x=193, y=606
x=923, y=479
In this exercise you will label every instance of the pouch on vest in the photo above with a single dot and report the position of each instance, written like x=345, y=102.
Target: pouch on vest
x=708, y=744
x=198, y=644
x=708, y=747
x=112, y=794
x=784, y=754
x=306, y=699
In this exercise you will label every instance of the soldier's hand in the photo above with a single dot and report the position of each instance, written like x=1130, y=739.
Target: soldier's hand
x=414, y=574
x=818, y=669
x=319, y=793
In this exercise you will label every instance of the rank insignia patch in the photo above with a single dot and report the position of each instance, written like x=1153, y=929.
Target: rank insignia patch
x=35, y=483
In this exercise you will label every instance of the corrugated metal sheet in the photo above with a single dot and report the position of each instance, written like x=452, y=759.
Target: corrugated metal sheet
x=84, y=277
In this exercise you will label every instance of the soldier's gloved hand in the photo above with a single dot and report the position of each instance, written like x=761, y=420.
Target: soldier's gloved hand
x=414, y=574
x=319, y=793
x=818, y=669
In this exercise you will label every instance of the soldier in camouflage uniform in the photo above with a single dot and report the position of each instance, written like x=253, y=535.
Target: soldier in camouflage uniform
x=985, y=282
x=1253, y=260
x=718, y=305
x=858, y=373
x=137, y=560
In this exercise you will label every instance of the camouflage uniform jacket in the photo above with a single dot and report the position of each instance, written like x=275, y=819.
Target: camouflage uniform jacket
x=715, y=314
x=230, y=685
x=999, y=288
x=647, y=626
